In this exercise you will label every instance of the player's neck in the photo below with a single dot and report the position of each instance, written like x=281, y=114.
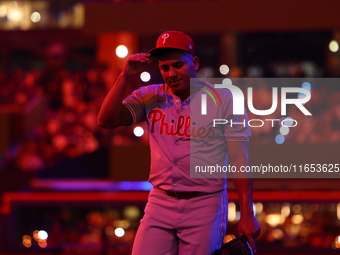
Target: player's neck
x=183, y=95
x=193, y=88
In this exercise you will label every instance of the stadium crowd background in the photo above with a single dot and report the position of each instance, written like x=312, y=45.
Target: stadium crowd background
x=72, y=100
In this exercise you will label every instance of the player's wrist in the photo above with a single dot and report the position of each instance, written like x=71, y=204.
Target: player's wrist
x=246, y=214
x=126, y=76
x=247, y=209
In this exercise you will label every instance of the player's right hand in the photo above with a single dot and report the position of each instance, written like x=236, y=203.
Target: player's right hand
x=135, y=64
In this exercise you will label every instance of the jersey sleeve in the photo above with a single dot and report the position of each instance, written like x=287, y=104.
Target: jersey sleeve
x=136, y=105
x=237, y=128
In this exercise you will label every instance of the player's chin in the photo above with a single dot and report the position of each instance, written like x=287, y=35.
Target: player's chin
x=176, y=84
x=179, y=89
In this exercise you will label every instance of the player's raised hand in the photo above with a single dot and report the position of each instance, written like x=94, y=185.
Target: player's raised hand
x=135, y=63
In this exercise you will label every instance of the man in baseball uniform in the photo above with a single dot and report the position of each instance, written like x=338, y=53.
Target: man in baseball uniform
x=184, y=215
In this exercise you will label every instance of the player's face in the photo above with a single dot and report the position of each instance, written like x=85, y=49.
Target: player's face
x=176, y=69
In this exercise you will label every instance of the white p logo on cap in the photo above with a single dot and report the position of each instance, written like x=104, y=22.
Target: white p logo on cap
x=164, y=37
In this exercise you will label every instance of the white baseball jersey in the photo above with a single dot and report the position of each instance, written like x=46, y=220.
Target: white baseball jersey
x=181, y=138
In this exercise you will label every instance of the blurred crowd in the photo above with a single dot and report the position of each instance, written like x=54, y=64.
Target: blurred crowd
x=71, y=101
x=88, y=230
x=111, y=230
x=69, y=126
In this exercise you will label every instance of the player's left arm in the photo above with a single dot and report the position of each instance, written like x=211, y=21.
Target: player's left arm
x=238, y=156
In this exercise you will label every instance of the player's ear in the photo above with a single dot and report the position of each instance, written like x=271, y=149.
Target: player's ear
x=196, y=62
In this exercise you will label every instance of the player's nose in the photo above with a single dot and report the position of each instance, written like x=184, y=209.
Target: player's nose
x=172, y=72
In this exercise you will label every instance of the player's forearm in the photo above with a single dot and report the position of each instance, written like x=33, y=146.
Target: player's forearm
x=244, y=189
x=239, y=156
x=109, y=114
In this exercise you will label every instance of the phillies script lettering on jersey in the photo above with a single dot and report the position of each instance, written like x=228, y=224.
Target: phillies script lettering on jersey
x=181, y=127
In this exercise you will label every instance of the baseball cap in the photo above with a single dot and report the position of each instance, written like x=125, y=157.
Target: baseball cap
x=173, y=40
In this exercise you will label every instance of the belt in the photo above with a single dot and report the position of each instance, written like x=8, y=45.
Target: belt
x=185, y=195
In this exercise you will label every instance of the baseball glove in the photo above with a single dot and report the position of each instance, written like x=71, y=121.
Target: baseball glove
x=237, y=246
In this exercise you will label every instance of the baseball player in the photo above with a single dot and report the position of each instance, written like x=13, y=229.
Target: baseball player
x=184, y=215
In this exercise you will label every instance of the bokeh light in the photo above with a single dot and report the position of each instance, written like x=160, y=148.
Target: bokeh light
x=15, y=15
x=231, y=211
x=277, y=234
x=119, y=232
x=289, y=122
x=42, y=234
x=131, y=212
x=3, y=11
x=35, y=235
x=124, y=224
x=122, y=51
x=297, y=208
x=297, y=219
x=285, y=210
x=35, y=17
x=27, y=241
x=279, y=139
x=258, y=208
x=145, y=76
x=301, y=95
x=224, y=69
x=306, y=85
x=333, y=46
x=274, y=219
x=138, y=131
x=337, y=243
x=42, y=243
x=284, y=130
